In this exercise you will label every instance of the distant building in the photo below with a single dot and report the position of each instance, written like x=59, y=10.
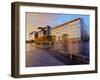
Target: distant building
x=44, y=37
x=40, y=33
x=48, y=30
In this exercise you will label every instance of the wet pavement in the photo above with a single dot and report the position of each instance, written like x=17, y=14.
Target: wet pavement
x=40, y=57
x=44, y=57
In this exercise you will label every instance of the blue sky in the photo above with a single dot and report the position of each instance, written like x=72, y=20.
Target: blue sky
x=35, y=20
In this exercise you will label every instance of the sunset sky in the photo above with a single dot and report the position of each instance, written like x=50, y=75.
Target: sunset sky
x=35, y=20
